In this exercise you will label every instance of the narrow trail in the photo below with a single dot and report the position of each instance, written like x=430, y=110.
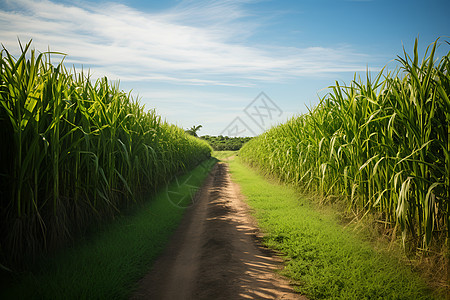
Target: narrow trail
x=215, y=253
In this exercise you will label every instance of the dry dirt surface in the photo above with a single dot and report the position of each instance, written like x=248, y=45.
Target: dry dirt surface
x=215, y=253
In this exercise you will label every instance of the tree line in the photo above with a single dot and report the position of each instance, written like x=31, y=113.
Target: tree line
x=222, y=143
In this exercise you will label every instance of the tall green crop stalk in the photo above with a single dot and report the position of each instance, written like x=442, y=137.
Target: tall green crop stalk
x=382, y=144
x=442, y=81
x=78, y=151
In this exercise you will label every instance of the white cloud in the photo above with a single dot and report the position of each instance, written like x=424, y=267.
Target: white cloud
x=194, y=43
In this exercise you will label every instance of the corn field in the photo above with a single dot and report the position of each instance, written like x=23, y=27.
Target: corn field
x=381, y=144
x=74, y=151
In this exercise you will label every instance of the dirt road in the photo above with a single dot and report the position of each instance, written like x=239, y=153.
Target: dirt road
x=215, y=253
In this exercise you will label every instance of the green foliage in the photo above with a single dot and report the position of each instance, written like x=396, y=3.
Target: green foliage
x=74, y=152
x=383, y=145
x=110, y=263
x=225, y=143
x=325, y=260
x=193, y=130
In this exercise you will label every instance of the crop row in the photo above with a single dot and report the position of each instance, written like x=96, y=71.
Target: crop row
x=382, y=145
x=73, y=151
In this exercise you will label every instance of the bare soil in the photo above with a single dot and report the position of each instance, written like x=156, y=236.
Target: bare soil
x=215, y=253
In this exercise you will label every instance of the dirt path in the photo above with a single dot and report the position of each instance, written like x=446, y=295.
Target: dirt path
x=215, y=254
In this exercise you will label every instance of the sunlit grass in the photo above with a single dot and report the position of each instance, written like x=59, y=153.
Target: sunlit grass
x=324, y=259
x=224, y=155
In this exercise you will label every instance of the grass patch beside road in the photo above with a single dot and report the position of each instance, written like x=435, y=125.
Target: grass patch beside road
x=325, y=260
x=224, y=155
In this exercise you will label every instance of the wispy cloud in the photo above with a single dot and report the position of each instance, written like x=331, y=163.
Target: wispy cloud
x=193, y=43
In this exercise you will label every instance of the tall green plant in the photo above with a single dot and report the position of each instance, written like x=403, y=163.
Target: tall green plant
x=76, y=151
x=382, y=144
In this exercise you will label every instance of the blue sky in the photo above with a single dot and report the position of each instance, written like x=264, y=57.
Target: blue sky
x=206, y=62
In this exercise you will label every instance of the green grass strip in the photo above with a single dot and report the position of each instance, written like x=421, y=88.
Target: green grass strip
x=325, y=260
x=224, y=155
x=109, y=265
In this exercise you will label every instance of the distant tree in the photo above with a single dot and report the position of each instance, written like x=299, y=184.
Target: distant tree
x=193, y=130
